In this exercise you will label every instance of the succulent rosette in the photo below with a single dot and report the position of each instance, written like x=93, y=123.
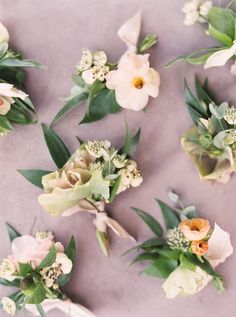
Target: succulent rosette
x=88, y=180
x=108, y=87
x=211, y=143
x=219, y=24
x=187, y=254
x=38, y=267
x=15, y=105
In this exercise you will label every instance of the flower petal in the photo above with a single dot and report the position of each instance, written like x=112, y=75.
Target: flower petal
x=4, y=35
x=134, y=99
x=219, y=246
x=129, y=31
x=8, y=90
x=5, y=106
x=221, y=57
x=152, y=83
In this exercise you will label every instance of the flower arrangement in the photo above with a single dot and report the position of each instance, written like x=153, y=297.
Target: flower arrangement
x=15, y=105
x=38, y=267
x=220, y=25
x=211, y=143
x=107, y=87
x=187, y=254
x=87, y=180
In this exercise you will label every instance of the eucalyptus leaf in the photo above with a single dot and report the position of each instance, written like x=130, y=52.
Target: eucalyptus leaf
x=151, y=222
x=34, y=176
x=58, y=150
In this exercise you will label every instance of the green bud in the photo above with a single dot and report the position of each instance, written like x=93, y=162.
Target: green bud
x=28, y=286
x=147, y=42
x=233, y=146
x=103, y=242
x=216, y=152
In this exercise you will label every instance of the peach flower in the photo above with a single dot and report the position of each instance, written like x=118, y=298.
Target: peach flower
x=199, y=247
x=7, y=93
x=134, y=81
x=194, y=229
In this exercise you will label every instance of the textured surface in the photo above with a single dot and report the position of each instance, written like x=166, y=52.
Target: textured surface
x=54, y=32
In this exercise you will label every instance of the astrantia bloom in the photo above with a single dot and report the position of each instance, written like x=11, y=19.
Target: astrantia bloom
x=134, y=81
x=7, y=93
x=8, y=305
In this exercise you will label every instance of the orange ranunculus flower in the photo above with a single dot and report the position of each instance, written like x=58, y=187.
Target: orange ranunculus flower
x=199, y=247
x=195, y=229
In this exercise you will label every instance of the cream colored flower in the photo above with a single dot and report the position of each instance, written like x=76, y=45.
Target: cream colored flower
x=86, y=60
x=221, y=57
x=97, y=72
x=7, y=93
x=205, y=8
x=41, y=235
x=191, y=11
x=230, y=115
x=7, y=269
x=134, y=81
x=195, y=229
x=8, y=305
x=4, y=35
x=119, y=161
x=99, y=58
x=130, y=176
x=97, y=148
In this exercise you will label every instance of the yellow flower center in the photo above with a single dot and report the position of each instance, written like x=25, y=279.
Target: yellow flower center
x=138, y=82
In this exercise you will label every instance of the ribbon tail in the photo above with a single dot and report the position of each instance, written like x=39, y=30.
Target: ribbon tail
x=118, y=229
x=129, y=32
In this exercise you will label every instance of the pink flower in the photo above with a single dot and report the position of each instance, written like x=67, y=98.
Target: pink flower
x=134, y=81
x=7, y=93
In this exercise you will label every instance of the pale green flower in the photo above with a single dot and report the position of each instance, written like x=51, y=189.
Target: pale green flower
x=7, y=269
x=8, y=305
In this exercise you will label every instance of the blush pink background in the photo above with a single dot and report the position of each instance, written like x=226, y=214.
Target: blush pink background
x=54, y=32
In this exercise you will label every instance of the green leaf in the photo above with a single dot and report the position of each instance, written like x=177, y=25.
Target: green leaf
x=144, y=257
x=49, y=259
x=12, y=233
x=147, y=245
x=186, y=263
x=195, y=108
x=5, y=123
x=131, y=142
x=223, y=20
x=152, y=223
x=59, y=152
x=161, y=268
x=70, y=105
x=78, y=80
x=16, y=62
x=96, y=88
x=171, y=254
x=3, y=49
x=34, y=176
x=38, y=295
x=148, y=41
x=169, y=216
x=218, y=283
x=19, y=115
x=14, y=283
x=40, y=310
x=219, y=36
x=115, y=189
x=25, y=268
x=202, y=93
x=70, y=251
x=101, y=105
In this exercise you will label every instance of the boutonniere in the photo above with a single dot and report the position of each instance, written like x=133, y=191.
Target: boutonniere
x=38, y=267
x=220, y=25
x=211, y=143
x=187, y=254
x=87, y=180
x=15, y=105
x=107, y=87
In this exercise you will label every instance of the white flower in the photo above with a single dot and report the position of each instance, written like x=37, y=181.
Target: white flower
x=99, y=58
x=221, y=57
x=97, y=148
x=8, y=305
x=7, y=93
x=96, y=72
x=191, y=11
x=4, y=35
x=183, y=281
x=230, y=115
x=7, y=269
x=119, y=161
x=205, y=8
x=130, y=176
x=64, y=262
x=41, y=235
x=86, y=60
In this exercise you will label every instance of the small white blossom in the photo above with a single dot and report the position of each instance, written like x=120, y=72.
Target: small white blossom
x=96, y=72
x=41, y=235
x=8, y=305
x=130, y=176
x=196, y=11
x=86, y=60
x=99, y=58
x=119, y=161
x=205, y=8
x=230, y=115
x=7, y=269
